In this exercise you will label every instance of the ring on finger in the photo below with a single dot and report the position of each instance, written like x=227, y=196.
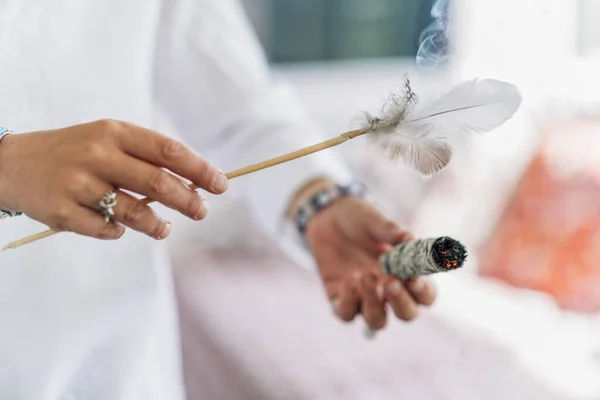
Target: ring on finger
x=108, y=203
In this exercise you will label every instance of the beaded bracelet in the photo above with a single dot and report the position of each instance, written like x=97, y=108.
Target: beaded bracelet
x=5, y=213
x=323, y=200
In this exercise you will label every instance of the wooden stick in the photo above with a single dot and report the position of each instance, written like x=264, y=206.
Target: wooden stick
x=29, y=239
x=230, y=175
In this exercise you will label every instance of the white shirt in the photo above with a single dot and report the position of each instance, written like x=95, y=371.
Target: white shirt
x=85, y=319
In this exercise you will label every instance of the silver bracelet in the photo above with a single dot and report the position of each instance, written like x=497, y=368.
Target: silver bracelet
x=323, y=200
x=4, y=132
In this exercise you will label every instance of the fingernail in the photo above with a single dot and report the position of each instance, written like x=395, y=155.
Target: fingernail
x=201, y=214
x=121, y=232
x=369, y=282
x=221, y=183
x=394, y=288
x=166, y=232
x=417, y=285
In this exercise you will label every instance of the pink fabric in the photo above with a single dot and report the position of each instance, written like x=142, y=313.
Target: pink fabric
x=547, y=238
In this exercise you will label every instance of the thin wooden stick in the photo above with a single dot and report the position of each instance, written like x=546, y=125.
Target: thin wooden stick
x=230, y=175
x=29, y=239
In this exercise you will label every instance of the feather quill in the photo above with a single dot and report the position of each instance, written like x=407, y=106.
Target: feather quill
x=420, y=133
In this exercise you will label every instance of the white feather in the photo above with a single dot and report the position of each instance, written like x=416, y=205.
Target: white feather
x=420, y=133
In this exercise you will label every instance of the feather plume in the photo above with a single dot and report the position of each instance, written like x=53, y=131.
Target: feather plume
x=420, y=133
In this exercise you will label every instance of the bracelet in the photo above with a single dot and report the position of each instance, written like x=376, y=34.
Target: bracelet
x=324, y=199
x=4, y=132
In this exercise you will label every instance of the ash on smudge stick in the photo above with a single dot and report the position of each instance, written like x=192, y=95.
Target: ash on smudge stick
x=448, y=253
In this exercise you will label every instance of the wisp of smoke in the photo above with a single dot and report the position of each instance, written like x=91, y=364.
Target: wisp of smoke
x=434, y=48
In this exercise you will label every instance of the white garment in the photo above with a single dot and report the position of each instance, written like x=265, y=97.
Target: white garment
x=85, y=319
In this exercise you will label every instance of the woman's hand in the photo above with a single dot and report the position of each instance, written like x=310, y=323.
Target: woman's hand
x=58, y=177
x=346, y=240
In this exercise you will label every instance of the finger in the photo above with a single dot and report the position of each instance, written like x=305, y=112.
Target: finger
x=146, y=179
x=347, y=303
x=384, y=230
x=388, y=231
x=130, y=212
x=393, y=239
x=401, y=301
x=137, y=215
x=422, y=290
x=87, y=222
x=372, y=306
x=169, y=153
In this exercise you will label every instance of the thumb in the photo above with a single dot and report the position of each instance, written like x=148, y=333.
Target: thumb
x=385, y=230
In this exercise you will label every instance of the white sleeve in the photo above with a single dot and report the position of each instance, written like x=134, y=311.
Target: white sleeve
x=213, y=81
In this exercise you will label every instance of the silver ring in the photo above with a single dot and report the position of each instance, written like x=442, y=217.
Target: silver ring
x=369, y=333
x=108, y=203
